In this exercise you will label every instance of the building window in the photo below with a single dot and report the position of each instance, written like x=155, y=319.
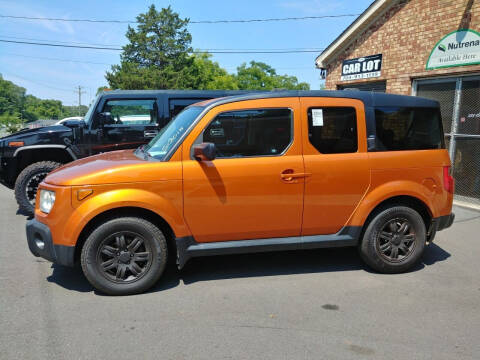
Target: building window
x=376, y=86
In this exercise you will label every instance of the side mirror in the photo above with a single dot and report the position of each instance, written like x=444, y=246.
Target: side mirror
x=104, y=118
x=204, y=151
x=73, y=124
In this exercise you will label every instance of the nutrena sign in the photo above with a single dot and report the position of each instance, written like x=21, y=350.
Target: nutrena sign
x=461, y=47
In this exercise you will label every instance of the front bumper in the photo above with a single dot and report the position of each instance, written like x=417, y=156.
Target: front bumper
x=40, y=243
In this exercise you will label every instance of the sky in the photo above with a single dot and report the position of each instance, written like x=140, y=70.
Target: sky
x=55, y=72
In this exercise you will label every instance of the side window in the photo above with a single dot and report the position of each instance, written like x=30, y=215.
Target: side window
x=259, y=132
x=131, y=112
x=175, y=106
x=408, y=129
x=333, y=130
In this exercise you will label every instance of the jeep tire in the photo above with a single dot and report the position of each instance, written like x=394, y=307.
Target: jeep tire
x=27, y=183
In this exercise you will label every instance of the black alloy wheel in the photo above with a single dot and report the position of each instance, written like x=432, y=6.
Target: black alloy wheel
x=27, y=182
x=31, y=186
x=124, y=257
x=396, y=240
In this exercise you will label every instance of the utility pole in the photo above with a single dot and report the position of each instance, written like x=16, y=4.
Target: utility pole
x=80, y=92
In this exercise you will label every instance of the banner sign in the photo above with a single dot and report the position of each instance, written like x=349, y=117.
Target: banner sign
x=362, y=68
x=459, y=48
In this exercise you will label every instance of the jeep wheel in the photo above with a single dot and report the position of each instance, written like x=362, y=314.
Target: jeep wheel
x=124, y=256
x=27, y=183
x=394, y=240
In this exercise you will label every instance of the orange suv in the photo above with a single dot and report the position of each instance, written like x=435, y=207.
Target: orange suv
x=271, y=171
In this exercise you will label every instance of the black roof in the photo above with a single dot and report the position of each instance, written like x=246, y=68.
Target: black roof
x=369, y=98
x=176, y=93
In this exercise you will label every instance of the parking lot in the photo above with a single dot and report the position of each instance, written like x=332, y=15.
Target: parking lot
x=322, y=304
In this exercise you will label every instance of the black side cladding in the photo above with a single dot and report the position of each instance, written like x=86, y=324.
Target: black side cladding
x=187, y=247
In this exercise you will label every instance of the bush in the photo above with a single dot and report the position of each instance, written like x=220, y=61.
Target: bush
x=11, y=122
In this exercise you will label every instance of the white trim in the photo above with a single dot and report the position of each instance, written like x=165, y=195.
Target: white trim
x=375, y=10
x=53, y=146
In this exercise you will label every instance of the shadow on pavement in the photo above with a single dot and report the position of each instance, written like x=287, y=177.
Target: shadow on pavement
x=249, y=265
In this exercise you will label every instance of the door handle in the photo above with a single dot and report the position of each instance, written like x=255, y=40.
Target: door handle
x=291, y=177
x=150, y=133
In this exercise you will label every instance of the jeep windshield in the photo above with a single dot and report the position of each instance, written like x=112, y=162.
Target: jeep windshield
x=88, y=115
x=169, y=136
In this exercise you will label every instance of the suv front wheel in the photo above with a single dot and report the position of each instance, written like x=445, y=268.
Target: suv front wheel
x=124, y=256
x=27, y=183
x=394, y=240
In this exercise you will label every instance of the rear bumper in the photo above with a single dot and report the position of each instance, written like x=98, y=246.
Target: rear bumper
x=40, y=243
x=444, y=222
x=438, y=224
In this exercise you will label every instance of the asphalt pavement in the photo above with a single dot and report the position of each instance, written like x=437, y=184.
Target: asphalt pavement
x=322, y=304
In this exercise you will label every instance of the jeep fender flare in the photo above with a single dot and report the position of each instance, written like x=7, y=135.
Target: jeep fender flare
x=136, y=198
x=36, y=147
x=387, y=191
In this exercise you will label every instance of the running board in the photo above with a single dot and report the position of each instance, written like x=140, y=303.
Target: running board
x=187, y=247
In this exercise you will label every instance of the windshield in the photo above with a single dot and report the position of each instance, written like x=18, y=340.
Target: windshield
x=166, y=139
x=90, y=110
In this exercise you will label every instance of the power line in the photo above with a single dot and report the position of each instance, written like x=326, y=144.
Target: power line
x=113, y=45
x=100, y=63
x=240, y=21
x=37, y=83
x=61, y=45
x=56, y=41
x=52, y=59
x=286, y=51
x=118, y=45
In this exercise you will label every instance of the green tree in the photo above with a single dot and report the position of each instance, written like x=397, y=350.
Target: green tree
x=102, y=89
x=157, y=55
x=205, y=74
x=11, y=122
x=36, y=108
x=12, y=97
x=260, y=76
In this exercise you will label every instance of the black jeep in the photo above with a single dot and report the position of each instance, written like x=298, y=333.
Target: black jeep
x=116, y=120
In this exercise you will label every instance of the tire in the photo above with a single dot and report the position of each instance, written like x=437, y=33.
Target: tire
x=112, y=265
x=27, y=183
x=394, y=240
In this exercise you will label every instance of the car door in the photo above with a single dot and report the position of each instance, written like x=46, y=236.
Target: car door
x=253, y=188
x=126, y=124
x=335, y=154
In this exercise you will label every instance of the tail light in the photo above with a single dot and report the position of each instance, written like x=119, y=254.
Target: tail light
x=448, y=181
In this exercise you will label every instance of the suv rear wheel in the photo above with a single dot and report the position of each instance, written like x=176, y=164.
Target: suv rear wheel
x=394, y=240
x=27, y=183
x=124, y=256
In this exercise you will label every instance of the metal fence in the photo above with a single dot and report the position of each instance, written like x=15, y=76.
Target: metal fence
x=459, y=99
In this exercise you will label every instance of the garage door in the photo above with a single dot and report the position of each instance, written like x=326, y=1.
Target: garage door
x=460, y=105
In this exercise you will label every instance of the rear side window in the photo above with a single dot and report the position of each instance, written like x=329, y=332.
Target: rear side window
x=333, y=130
x=177, y=105
x=401, y=128
x=245, y=133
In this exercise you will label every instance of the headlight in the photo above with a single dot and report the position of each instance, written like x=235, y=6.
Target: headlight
x=47, y=199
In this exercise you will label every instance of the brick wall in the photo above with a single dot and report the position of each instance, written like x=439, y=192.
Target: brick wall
x=405, y=36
